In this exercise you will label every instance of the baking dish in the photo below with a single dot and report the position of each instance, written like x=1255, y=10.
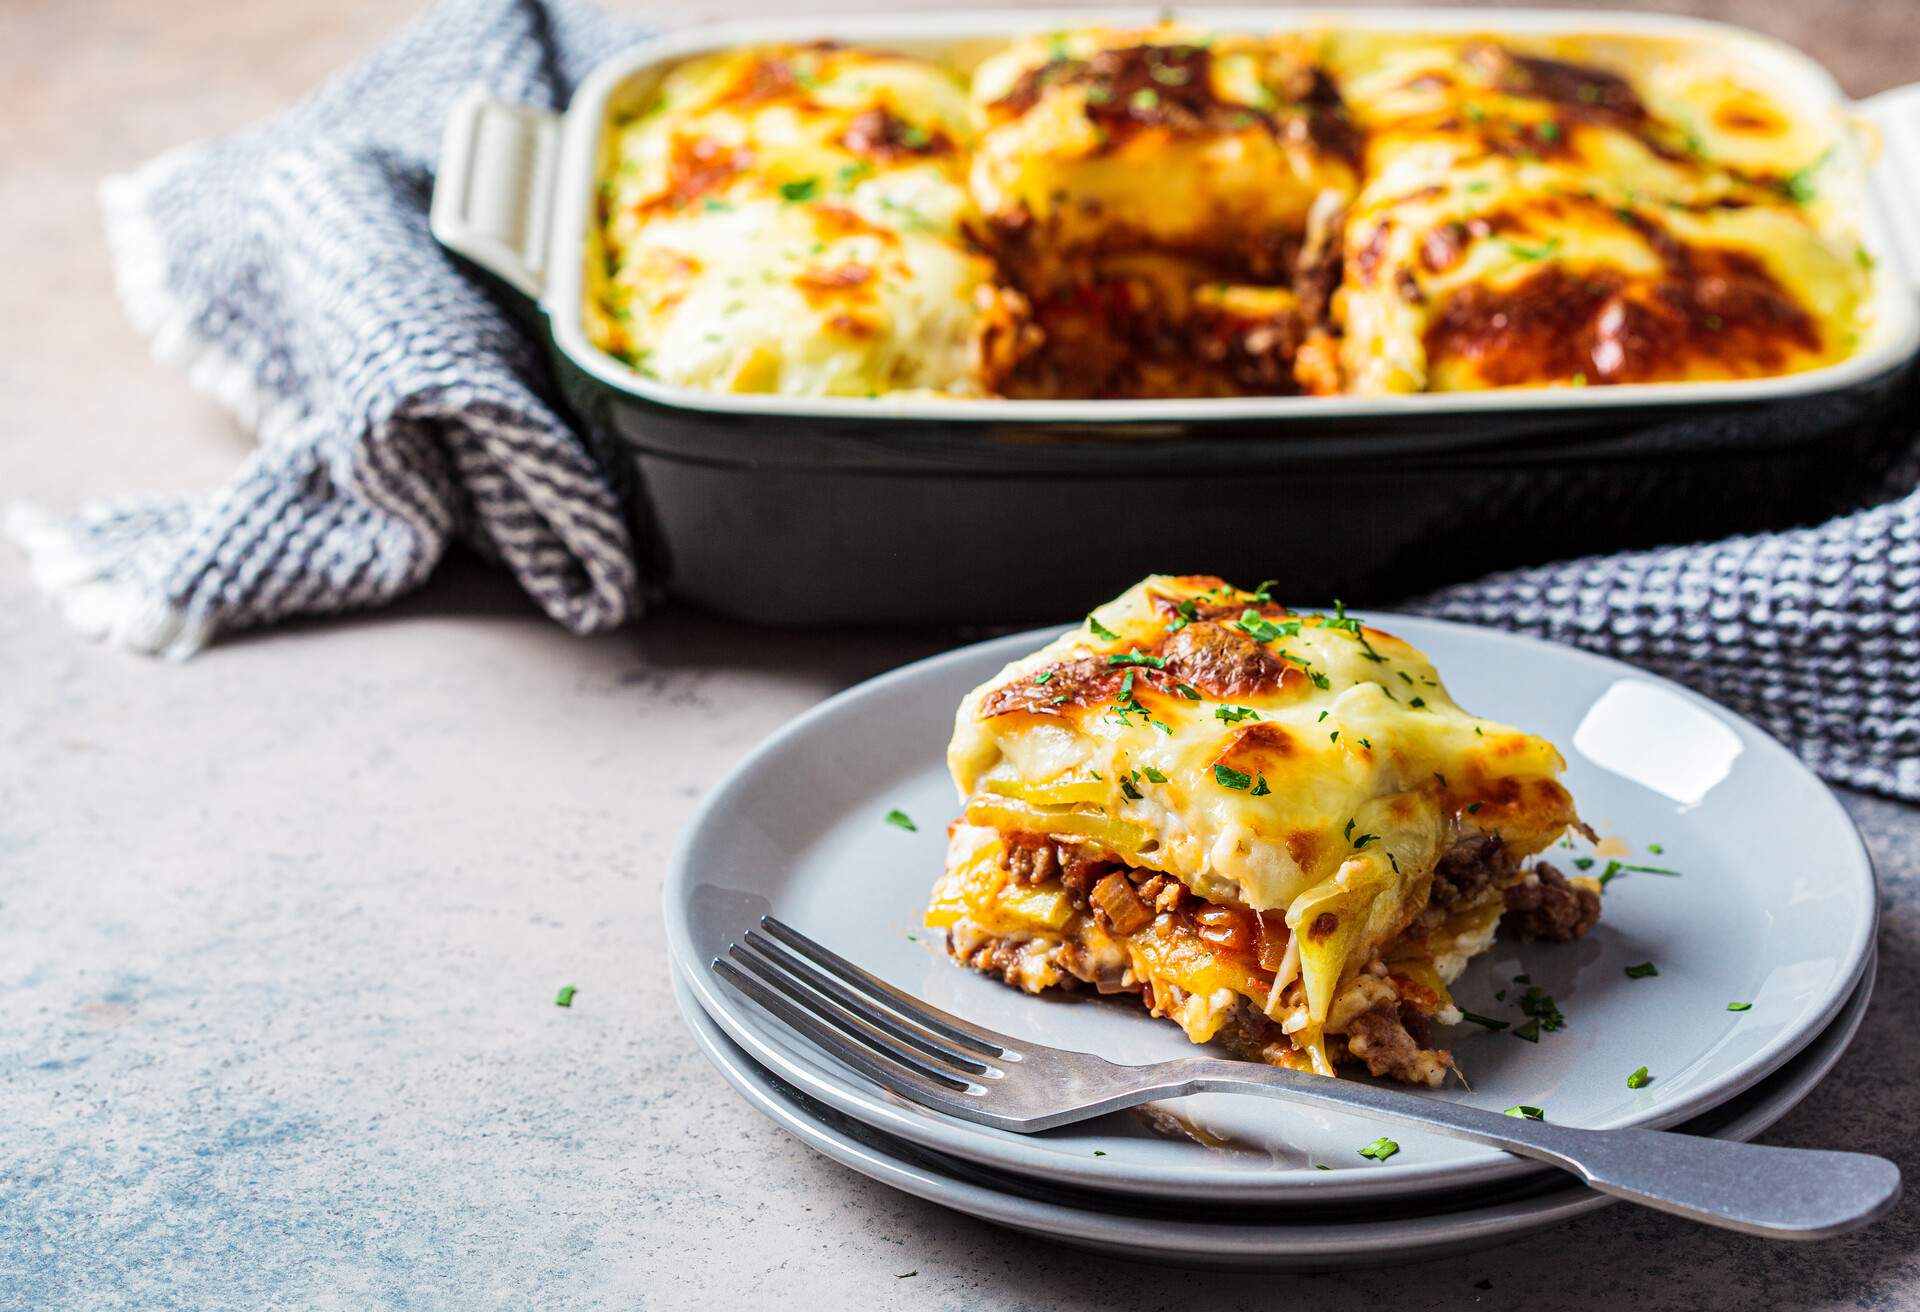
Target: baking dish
x=915, y=509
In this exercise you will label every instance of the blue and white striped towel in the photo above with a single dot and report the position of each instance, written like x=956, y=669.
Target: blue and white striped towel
x=290, y=272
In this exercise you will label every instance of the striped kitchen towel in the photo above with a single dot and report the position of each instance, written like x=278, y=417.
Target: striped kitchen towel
x=289, y=272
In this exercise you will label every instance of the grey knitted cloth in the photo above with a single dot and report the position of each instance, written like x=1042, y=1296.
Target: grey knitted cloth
x=1813, y=633
x=289, y=270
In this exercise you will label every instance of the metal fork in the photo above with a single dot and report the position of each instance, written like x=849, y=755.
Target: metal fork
x=933, y=1058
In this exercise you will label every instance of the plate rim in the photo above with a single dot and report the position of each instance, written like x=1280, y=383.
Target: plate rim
x=1270, y=1243
x=851, y=1095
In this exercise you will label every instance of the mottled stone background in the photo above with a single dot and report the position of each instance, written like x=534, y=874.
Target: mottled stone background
x=280, y=929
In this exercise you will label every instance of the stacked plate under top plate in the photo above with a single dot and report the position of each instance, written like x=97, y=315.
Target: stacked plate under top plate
x=1768, y=900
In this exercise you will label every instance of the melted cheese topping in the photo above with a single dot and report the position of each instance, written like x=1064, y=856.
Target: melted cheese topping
x=1159, y=138
x=788, y=220
x=1168, y=211
x=1530, y=221
x=1301, y=764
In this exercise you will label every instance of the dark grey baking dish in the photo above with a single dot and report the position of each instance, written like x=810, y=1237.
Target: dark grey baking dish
x=829, y=511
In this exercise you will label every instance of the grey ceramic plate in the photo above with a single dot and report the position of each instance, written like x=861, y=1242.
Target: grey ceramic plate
x=1143, y=1229
x=1774, y=905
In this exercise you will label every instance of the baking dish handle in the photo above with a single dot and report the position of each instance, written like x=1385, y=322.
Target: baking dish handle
x=1895, y=183
x=492, y=198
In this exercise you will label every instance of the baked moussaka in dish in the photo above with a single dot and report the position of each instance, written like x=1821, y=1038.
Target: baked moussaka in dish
x=1174, y=211
x=1275, y=829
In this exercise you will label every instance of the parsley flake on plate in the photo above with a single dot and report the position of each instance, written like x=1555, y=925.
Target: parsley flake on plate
x=1526, y=1112
x=564, y=998
x=901, y=820
x=1739, y=1006
x=1100, y=630
x=1380, y=1149
x=1644, y=970
x=1639, y=1079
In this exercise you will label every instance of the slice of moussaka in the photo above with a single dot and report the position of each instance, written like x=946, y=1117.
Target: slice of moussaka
x=790, y=219
x=1151, y=193
x=1273, y=828
x=1582, y=212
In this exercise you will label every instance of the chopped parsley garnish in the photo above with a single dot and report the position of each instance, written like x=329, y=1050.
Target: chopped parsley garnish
x=1153, y=775
x=1045, y=676
x=564, y=998
x=1334, y=737
x=1364, y=839
x=1617, y=868
x=1499, y=995
x=1100, y=630
x=1322, y=719
x=1125, y=704
x=1183, y=614
x=1526, y=1113
x=1318, y=1167
x=799, y=189
x=1099, y=1152
x=1132, y=794
x=1320, y=681
x=1348, y=831
x=1138, y=658
x=1540, y=1006
x=1655, y=848
x=1235, y=714
x=1364, y=743
x=1260, y=788
x=1583, y=863
x=1548, y=132
x=1263, y=591
x=1473, y=808
x=901, y=820
x=1645, y=970
x=1523, y=979
x=1639, y=1079
x=1144, y=100
x=1418, y=703
x=906, y=1275
x=1228, y=777
x=1380, y=1149
x=1485, y=1021
x=1739, y=1006
x=1261, y=629
x=1530, y=1032
x=1188, y=691
x=1521, y=251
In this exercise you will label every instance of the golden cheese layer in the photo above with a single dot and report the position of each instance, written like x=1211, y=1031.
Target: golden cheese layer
x=788, y=219
x=1307, y=766
x=1528, y=220
x=1162, y=138
x=1170, y=211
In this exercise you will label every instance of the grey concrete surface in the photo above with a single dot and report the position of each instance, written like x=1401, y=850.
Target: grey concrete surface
x=280, y=928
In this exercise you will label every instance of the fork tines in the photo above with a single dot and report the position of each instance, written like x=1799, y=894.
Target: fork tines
x=918, y=1051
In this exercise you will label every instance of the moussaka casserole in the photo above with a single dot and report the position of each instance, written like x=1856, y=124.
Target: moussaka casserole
x=1174, y=211
x=1275, y=829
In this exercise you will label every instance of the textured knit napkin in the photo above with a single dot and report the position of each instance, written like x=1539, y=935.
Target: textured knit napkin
x=289, y=270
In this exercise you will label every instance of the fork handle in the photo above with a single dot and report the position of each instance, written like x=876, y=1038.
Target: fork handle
x=1783, y=1193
